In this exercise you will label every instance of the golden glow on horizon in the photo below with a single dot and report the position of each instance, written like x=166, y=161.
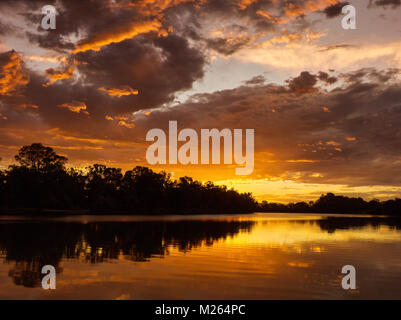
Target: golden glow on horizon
x=287, y=233
x=284, y=191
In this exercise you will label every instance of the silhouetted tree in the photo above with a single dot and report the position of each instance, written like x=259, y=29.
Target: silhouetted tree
x=102, y=186
x=41, y=180
x=41, y=158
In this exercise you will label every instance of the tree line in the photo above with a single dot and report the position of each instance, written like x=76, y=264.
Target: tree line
x=331, y=203
x=41, y=180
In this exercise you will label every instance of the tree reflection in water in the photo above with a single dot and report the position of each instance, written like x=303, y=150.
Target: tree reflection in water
x=31, y=245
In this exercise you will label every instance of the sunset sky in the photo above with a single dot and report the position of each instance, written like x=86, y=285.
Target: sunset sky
x=325, y=102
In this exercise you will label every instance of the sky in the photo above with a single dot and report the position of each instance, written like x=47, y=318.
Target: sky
x=325, y=102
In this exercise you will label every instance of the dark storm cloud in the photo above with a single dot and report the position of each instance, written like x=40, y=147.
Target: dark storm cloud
x=257, y=80
x=76, y=17
x=384, y=3
x=50, y=41
x=335, y=9
x=325, y=77
x=305, y=82
x=227, y=46
x=157, y=68
x=371, y=73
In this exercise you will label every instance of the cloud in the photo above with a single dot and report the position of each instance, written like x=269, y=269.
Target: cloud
x=75, y=106
x=156, y=68
x=243, y=4
x=304, y=83
x=335, y=9
x=325, y=77
x=12, y=73
x=297, y=56
x=356, y=143
x=257, y=80
x=296, y=139
x=66, y=72
x=228, y=45
x=119, y=92
x=114, y=36
x=384, y=3
x=300, y=8
x=123, y=123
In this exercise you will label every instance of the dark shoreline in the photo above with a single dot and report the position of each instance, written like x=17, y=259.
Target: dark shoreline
x=33, y=212
x=37, y=212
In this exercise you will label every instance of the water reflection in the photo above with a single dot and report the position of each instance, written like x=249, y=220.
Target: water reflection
x=31, y=245
x=257, y=256
x=331, y=224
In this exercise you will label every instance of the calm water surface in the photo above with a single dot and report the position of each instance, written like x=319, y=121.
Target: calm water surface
x=259, y=256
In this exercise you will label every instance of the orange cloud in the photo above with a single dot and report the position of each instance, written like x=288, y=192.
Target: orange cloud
x=75, y=106
x=286, y=38
x=121, y=118
x=277, y=20
x=119, y=92
x=243, y=4
x=122, y=121
x=294, y=11
x=25, y=106
x=333, y=143
x=128, y=32
x=12, y=75
x=156, y=7
x=55, y=75
x=126, y=124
